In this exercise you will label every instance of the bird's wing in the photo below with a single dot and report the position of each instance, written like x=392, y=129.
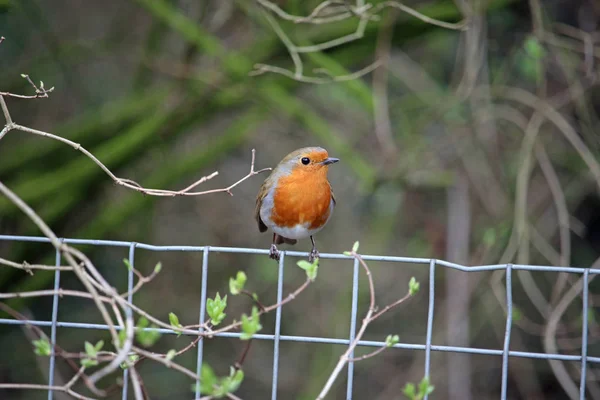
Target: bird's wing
x=332, y=195
x=259, y=199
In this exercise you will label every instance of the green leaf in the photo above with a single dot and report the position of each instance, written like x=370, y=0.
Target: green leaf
x=128, y=264
x=391, y=340
x=170, y=354
x=230, y=383
x=142, y=323
x=174, y=321
x=131, y=359
x=413, y=286
x=216, y=387
x=99, y=345
x=146, y=338
x=157, y=267
x=533, y=48
x=410, y=391
x=235, y=379
x=215, y=308
x=517, y=315
x=305, y=265
x=88, y=362
x=591, y=315
x=208, y=380
x=348, y=253
x=310, y=268
x=237, y=285
x=122, y=337
x=425, y=388
x=90, y=350
x=250, y=325
x=355, y=247
x=489, y=237
x=42, y=347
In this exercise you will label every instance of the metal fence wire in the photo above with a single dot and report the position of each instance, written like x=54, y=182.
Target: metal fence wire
x=276, y=338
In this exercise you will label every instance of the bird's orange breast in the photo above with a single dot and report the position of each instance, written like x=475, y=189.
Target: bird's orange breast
x=302, y=197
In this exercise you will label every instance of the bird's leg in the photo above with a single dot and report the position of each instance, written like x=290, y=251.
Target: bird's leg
x=273, y=252
x=314, y=253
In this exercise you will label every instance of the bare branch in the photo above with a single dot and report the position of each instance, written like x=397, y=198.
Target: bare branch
x=33, y=386
x=328, y=12
x=368, y=355
x=370, y=317
x=264, y=68
x=40, y=92
x=9, y=122
x=461, y=26
x=188, y=191
x=25, y=266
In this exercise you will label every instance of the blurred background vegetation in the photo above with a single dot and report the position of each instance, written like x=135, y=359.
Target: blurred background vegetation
x=476, y=146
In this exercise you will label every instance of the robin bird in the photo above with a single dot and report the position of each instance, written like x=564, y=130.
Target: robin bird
x=296, y=200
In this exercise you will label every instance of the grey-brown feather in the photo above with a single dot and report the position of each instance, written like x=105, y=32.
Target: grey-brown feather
x=259, y=199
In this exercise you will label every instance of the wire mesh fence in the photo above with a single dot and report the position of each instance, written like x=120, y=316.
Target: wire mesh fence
x=433, y=265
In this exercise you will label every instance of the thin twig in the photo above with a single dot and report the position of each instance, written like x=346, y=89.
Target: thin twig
x=25, y=266
x=340, y=10
x=141, y=282
x=255, y=300
x=160, y=358
x=33, y=386
x=562, y=212
x=381, y=108
x=238, y=364
x=7, y=117
x=268, y=309
x=135, y=381
x=40, y=92
x=368, y=355
x=68, y=255
x=460, y=26
x=128, y=183
x=333, y=11
x=370, y=317
x=57, y=349
x=260, y=69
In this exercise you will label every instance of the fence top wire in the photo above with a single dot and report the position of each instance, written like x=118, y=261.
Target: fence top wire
x=505, y=352
x=288, y=253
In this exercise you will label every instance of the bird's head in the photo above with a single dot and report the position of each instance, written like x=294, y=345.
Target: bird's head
x=305, y=162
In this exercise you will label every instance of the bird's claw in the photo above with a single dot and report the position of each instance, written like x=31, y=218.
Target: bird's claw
x=274, y=253
x=314, y=254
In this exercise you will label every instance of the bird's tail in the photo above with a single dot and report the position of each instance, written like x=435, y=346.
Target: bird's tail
x=280, y=239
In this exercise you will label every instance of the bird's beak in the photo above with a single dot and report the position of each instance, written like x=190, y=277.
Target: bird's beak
x=330, y=160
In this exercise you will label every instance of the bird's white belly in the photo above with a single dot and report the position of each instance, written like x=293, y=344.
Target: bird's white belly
x=299, y=231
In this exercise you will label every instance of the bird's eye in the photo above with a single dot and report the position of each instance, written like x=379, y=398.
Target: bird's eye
x=305, y=160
